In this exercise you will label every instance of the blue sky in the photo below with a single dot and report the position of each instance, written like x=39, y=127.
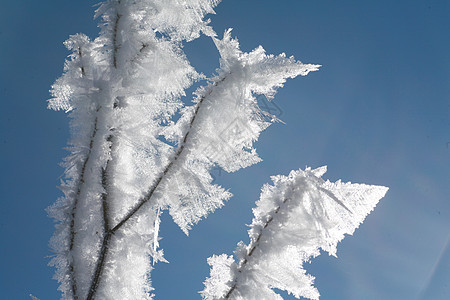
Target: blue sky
x=377, y=112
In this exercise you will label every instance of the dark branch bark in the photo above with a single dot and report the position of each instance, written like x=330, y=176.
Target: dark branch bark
x=141, y=53
x=106, y=228
x=105, y=185
x=105, y=201
x=80, y=53
x=106, y=222
x=115, y=45
x=99, y=270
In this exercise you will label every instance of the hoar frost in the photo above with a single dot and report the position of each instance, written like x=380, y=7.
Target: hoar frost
x=294, y=218
x=129, y=161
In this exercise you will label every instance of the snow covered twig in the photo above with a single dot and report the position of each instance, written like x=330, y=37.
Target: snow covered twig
x=295, y=218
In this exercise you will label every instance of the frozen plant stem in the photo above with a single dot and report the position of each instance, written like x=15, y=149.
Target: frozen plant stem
x=115, y=46
x=106, y=228
x=168, y=168
x=108, y=233
x=80, y=53
x=80, y=184
x=243, y=263
x=294, y=219
x=123, y=89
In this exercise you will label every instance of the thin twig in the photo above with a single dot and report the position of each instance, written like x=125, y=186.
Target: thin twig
x=74, y=210
x=105, y=185
x=80, y=184
x=115, y=45
x=141, y=52
x=150, y=192
x=106, y=223
x=80, y=53
x=106, y=226
x=254, y=243
x=99, y=271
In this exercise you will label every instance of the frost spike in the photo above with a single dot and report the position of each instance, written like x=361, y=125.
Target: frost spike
x=298, y=215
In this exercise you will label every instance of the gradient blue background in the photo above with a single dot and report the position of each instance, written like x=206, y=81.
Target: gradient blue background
x=377, y=112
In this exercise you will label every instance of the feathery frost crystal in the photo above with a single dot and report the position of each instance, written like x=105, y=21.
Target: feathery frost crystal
x=129, y=160
x=295, y=218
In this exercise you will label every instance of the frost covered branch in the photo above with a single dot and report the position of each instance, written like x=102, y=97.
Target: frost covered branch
x=78, y=42
x=129, y=160
x=254, y=243
x=108, y=232
x=167, y=169
x=295, y=218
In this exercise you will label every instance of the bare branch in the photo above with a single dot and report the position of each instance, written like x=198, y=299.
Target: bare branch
x=115, y=45
x=80, y=53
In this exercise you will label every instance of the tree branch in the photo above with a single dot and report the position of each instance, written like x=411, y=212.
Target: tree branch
x=80, y=185
x=106, y=225
x=152, y=189
x=115, y=45
x=72, y=234
x=105, y=185
x=106, y=228
x=100, y=262
x=83, y=73
x=108, y=233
